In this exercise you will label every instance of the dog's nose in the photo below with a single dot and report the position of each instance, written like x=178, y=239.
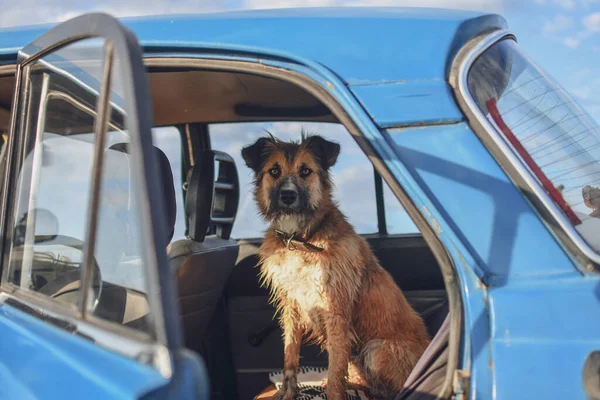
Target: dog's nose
x=288, y=197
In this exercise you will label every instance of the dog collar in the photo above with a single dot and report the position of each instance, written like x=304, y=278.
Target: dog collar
x=292, y=242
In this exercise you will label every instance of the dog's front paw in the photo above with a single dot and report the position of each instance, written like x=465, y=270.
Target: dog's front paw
x=283, y=394
x=289, y=387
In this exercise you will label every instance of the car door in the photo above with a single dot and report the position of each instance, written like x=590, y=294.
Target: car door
x=87, y=304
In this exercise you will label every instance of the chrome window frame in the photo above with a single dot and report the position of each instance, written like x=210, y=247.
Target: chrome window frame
x=506, y=156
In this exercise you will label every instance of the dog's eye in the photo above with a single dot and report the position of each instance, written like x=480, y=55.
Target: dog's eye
x=274, y=172
x=305, y=172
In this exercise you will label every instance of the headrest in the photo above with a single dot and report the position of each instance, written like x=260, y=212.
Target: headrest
x=168, y=188
x=212, y=195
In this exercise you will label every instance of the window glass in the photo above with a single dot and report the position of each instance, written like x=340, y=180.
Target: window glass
x=54, y=179
x=119, y=247
x=352, y=175
x=554, y=137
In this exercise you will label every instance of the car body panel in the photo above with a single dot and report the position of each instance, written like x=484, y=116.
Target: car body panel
x=547, y=328
x=40, y=360
x=476, y=197
x=418, y=103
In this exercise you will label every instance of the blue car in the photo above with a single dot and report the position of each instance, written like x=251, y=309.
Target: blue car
x=130, y=234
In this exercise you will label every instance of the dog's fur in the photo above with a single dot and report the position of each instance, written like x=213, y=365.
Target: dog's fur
x=340, y=297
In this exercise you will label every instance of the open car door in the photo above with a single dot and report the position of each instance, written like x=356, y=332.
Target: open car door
x=87, y=306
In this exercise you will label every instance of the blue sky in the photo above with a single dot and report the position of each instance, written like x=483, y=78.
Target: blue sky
x=562, y=37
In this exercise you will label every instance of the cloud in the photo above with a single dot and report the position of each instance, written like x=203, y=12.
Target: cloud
x=481, y=5
x=571, y=42
x=567, y=4
x=592, y=22
x=558, y=24
x=30, y=12
x=588, y=3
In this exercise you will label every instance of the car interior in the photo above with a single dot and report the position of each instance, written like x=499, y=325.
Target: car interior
x=226, y=315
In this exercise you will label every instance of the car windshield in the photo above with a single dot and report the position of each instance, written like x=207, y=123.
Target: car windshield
x=554, y=137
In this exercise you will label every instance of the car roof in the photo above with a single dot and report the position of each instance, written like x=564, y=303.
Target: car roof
x=363, y=45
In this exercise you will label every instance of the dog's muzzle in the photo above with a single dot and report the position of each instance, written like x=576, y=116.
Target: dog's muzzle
x=288, y=195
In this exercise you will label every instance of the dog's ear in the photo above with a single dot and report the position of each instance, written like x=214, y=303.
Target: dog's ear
x=254, y=154
x=327, y=152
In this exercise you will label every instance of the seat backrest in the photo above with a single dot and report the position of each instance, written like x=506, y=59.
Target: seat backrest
x=203, y=262
x=118, y=303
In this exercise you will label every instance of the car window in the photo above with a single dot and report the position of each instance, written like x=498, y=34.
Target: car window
x=52, y=199
x=554, y=137
x=54, y=179
x=352, y=175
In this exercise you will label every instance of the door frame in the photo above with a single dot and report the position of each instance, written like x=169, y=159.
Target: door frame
x=160, y=349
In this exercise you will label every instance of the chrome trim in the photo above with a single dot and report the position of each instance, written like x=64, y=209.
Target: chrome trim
x=36, y=171
x=8, y=69
x=53, y=94
x=461, y=65
x=95, y=190
x=11, y=146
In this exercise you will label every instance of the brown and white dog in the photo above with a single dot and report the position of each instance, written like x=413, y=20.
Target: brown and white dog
x=324, y=278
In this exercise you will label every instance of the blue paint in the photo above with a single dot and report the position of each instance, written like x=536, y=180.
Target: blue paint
x=414, y=102
x=542, y=334
x=363, y=46
x=40, y=361
x=359, y=44
x=482, y=206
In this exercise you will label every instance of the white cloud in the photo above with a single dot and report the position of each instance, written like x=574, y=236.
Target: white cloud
x=588, y=3
x=568, y=4
x=30, y=12
x=592, y=22
x=558, y=24
x=571, y=42
x=482, y=5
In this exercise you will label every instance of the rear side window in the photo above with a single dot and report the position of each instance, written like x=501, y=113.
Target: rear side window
x=557, y=140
